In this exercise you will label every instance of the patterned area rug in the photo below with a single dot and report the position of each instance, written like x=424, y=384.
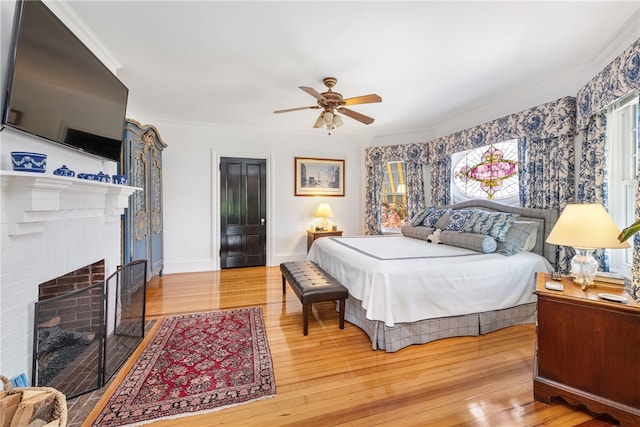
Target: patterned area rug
x=194, y=364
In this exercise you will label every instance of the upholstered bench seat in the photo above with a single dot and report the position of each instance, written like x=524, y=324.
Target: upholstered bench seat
x=312, y=284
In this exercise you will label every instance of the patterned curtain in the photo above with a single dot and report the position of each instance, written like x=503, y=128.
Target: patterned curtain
x=413, y=156
x=592, y=184
x=617, y=79
x=547, y=180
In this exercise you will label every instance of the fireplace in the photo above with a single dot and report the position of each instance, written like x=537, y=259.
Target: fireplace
x=86, y=326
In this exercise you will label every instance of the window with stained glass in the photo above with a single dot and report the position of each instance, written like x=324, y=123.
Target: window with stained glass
x=394, y=197
x=488, y=172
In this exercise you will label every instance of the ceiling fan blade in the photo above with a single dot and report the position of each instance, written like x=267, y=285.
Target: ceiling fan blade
x=317, y=95
x=356, y=116
x=312, y=107
x=364, y=99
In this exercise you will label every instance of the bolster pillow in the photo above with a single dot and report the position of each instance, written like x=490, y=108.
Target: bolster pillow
x=473, y=241
x=418, y=232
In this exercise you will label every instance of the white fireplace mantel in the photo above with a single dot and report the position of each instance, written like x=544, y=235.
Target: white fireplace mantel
x=30, y=200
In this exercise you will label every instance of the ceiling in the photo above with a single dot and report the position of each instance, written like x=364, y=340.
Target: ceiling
x=234, y=63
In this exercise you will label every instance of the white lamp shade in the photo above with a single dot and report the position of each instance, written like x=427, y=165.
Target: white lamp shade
x=586, y=226
x=324, y=211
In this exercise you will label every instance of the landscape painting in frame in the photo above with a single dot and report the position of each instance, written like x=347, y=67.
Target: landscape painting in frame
x=319, y=177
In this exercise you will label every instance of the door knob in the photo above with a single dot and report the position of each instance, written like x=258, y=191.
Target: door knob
x=261, y=221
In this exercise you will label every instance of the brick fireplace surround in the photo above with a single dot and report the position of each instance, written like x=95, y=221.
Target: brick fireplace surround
x=50, y=226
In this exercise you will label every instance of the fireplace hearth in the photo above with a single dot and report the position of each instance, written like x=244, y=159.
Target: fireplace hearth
x=86, y=327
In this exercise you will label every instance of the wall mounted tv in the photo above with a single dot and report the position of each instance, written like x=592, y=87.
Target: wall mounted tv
x=58, y=89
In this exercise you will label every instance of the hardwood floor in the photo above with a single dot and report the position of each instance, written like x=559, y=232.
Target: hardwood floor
x=332, y=377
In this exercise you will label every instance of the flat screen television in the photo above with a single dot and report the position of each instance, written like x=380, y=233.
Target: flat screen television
x=58, y=89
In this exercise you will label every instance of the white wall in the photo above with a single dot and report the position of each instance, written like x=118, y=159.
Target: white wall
x=566, y=84
x=190, y=189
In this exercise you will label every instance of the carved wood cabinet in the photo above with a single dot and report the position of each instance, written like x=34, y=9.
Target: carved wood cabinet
x=143, y=227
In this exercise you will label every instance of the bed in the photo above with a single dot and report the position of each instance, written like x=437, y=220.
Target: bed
x=406, y=290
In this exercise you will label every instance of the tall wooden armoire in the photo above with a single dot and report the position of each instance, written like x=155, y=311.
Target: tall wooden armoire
x=142, y=163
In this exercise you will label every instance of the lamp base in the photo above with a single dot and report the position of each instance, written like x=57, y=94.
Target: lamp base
x=325, y=224
x=584, y=267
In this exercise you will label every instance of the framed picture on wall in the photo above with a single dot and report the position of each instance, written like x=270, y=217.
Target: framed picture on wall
x=319, y=177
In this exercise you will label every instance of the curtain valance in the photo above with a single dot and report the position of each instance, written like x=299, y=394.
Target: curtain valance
x=618, y=78
x=553, y=119
x=409, y=153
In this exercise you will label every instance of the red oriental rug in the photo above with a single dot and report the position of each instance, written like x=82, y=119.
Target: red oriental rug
x=194, y=364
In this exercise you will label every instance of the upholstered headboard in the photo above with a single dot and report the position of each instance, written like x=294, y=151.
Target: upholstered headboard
x=545, y=218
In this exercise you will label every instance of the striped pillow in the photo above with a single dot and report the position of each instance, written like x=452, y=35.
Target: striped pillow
x=494, y=224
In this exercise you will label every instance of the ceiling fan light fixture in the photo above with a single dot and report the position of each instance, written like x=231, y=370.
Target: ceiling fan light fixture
x=330, y=101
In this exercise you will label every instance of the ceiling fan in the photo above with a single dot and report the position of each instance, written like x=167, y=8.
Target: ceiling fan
x=330, y=102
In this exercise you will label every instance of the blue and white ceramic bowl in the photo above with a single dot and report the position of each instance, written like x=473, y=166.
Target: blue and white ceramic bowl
x=25, y=161
x=64, y=171
x=119, y=179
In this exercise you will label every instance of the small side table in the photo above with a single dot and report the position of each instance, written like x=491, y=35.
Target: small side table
x=313, y=235
x=587, y=349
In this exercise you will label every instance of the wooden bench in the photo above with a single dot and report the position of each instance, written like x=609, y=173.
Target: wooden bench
x=312, y=284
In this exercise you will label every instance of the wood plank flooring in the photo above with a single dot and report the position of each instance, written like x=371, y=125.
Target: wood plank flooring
x=332, y=377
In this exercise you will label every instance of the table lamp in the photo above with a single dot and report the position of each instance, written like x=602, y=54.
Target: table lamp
x=585, y=227
x=324, y=211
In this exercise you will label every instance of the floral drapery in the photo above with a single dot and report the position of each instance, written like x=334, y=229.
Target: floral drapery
x=414, y=156
x=617, y=79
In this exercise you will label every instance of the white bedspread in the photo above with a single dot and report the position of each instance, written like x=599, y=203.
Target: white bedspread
x=401, y=279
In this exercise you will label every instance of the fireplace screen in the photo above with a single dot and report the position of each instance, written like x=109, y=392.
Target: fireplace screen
x=128, y=285
x=82, y=337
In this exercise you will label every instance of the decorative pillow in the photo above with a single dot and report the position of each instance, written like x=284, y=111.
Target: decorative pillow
x=494, y=224
x=418, y=232
x=457, y=220
x=475, y=242
x=441, y=224
x=516, y=238
x=433, y=217
x=420, y=216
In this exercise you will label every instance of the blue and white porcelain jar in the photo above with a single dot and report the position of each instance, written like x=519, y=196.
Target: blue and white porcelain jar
x=64, y=171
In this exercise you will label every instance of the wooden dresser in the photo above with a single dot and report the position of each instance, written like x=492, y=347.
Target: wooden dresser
x=588, y=349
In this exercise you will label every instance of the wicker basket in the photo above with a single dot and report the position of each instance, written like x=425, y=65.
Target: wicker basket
x=60, y=402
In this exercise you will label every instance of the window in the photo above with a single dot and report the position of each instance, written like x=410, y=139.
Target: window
x=488, y=172
x=622, y=143
x=394, y=197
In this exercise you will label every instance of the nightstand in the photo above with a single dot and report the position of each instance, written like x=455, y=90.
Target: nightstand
x=587, y=349
x=313, y=235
